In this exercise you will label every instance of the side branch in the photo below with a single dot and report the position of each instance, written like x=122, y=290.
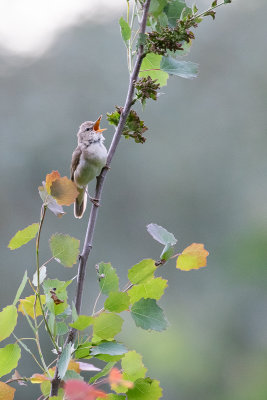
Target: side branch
x=87, y=246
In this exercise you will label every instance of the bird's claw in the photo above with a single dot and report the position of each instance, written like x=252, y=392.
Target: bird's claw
x=94, y=201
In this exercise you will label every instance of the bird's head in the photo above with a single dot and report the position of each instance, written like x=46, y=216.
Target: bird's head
x=90, y=131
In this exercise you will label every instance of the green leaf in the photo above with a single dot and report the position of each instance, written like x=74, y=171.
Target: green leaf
x=125, y=29
x=156, y=7
x=70, y=374
x=227, y=1
x=117, y=302
x=65, y=249
x=148, y=315
x=112, y=348
x=24, y=236
x=82, y=322
x=174, y=10
x=142, y=271
x=21, y=288
x=42, y=276
x=152, y=289
x=167, y=252
x=105, y=371
x=108, y=358
x=108, y=278
x=60, y=288
x=8, y=321
x=83, y=350
x=151, y=67
x=74, y=312
x=161, y=234
x=112, y=396
x=132, y=366
x=214, y=3
x=61, y=328
x=64, y=360
x=9, y=357
x=145, y=389
x=107, y=325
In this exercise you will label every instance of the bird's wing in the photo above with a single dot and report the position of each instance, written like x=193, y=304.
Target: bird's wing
x=75, y=161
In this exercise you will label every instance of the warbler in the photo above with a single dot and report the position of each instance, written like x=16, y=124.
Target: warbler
x=87, y=161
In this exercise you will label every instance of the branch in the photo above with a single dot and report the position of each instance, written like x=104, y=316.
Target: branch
x=88, y=242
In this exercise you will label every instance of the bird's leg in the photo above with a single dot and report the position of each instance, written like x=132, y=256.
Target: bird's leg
x=92, y=199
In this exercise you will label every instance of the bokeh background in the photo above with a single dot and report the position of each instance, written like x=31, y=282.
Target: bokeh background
x=201, y=174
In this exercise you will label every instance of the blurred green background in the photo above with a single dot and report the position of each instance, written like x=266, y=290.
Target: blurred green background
x=201, y=174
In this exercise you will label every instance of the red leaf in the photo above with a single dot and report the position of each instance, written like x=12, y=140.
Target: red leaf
x=79, y=390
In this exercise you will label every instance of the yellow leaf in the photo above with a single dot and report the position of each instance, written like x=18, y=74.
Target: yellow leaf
x=50, y=178
x=192, y=257
x=27, y=304
x=38, y=378
x=74, y=365
x=6, y=392
x=64, y=191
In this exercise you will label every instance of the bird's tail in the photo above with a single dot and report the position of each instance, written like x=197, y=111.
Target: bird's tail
x=80, y=203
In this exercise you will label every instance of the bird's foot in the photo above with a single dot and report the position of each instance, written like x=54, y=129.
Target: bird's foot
x=94, y=201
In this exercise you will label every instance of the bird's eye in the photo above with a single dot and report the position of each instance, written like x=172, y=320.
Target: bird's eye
x=87, y=129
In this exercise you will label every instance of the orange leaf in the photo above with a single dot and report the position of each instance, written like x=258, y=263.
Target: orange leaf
x=79, y=390
x=74, y=366
x=192, y=257
x=6, y=392
x=50, y=178
x=64, y=191
x=115, y=379
x=38, y=378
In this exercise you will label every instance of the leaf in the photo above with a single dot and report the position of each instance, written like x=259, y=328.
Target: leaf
x=214, y=3
x=161, y=234
x=27, y=305
x=125, y=30
x=145, y=389
x=167, y=252
x=9, y=357
x=78, y=390
x=151, y=67
x=65, y=249
x=117, y=302
x=71, y=374
x=148, y=315
x=102, y=373
x=87, y=367
x=227, y=1
x=42, y=276
x=184, y=69
x=64, y=360
x=82, y=350
x=112, y=348
x=108, y=278
x=152, y=289
x=82, y=322
x=50, y=178
x=192, y=257
x=174, y=10
x=142, y=272
x=59, y=287
x=132, y=366
x=107, y=325
x=21, y=288
x=6, y=392
x=8, y=321
x=156, y=7
x=24, y=236
x=117, y=382
x=38, y=378
x=64, y=191
x=50, y=202
x=61, y=328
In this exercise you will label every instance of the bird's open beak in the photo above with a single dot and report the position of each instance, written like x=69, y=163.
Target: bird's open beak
x=97, y=124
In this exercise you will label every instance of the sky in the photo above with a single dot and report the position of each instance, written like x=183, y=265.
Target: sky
x=29, y=27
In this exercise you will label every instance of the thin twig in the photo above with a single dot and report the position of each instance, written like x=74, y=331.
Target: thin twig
x=88, y=242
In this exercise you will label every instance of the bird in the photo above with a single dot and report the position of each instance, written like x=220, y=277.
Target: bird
x=87, y=161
